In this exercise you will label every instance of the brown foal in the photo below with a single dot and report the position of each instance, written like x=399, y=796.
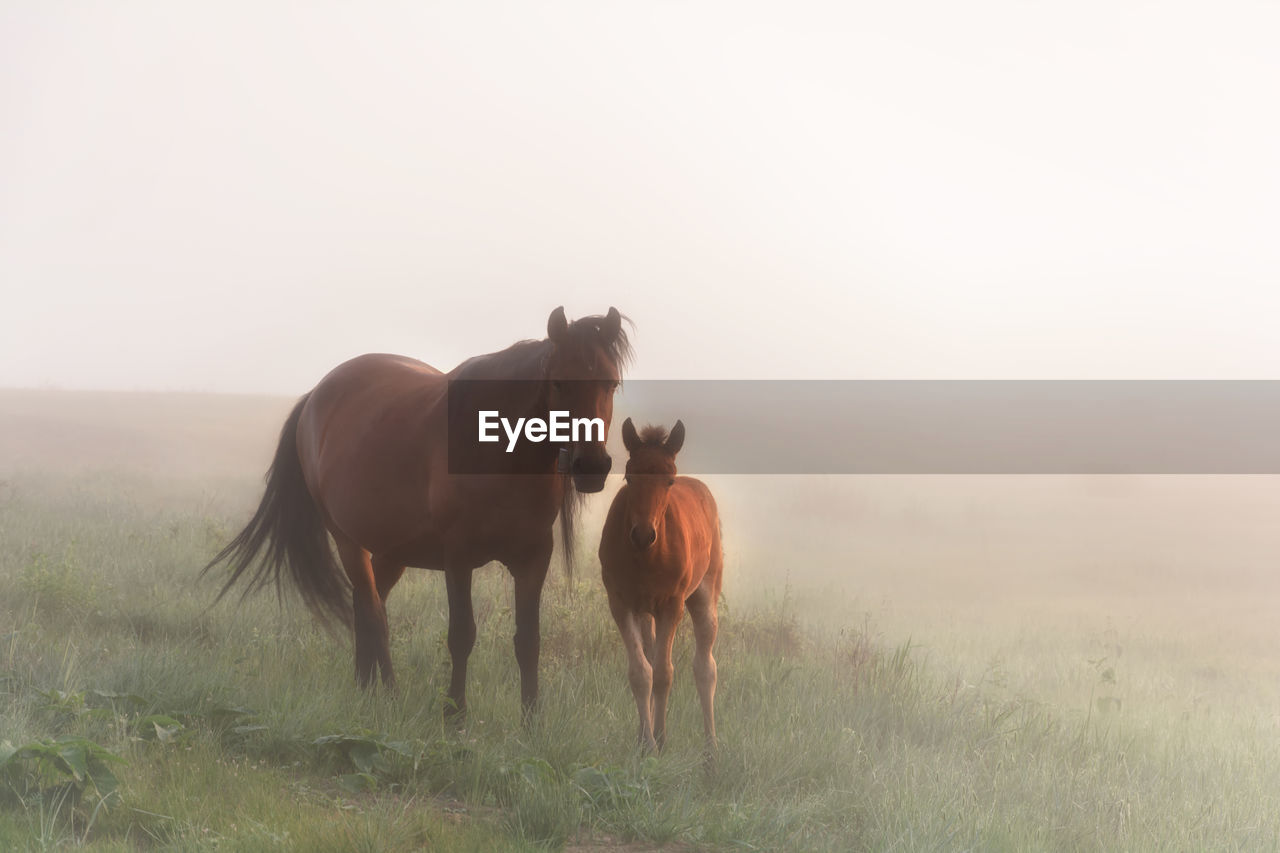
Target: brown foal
x=660, y=553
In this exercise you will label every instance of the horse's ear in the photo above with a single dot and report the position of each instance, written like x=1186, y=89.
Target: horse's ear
x=675, y=440
x=557, y=325
x=629, y=438
x=612, y=325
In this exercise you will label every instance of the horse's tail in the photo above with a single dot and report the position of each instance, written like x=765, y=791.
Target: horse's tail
x=289, y=526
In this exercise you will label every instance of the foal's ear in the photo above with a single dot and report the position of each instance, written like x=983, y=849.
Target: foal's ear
x=629, y=438
x=557, y=325
x=675, y=440
x=612, y=325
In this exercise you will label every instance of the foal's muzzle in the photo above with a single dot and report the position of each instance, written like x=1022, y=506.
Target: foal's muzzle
x=643, y=535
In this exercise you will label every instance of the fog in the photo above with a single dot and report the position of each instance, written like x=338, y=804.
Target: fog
x=1033, y=571
x=205, y=207
x=235, y=198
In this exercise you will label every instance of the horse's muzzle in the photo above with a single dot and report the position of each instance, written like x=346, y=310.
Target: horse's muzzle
x=589, y=473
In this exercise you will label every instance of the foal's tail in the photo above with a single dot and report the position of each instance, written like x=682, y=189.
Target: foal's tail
x=289, y=526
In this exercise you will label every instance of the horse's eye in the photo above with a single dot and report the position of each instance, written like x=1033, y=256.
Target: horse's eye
x=555, y=383
x=671, y=482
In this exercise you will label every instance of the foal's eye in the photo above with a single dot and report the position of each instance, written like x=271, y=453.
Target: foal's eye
x=671, y=482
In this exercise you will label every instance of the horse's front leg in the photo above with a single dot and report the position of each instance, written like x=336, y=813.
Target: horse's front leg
x=529, y=576
x=462, y=637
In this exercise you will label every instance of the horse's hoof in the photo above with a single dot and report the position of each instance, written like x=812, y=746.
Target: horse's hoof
x=454, y=713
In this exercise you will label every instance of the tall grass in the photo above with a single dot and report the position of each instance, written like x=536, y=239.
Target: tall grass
x=239, y=727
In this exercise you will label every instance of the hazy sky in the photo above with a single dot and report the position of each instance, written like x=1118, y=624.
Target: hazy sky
x=236, y=196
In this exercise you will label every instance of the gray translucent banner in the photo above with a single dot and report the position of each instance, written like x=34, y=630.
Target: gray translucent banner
x=961, y=427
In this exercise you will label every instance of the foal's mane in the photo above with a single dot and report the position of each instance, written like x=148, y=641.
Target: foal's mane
x=653, y=436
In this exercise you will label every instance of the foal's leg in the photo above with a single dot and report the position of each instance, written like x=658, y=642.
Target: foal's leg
x=370, y=616
x=665, y=622
x=462, y=637
x=646, y=624
x=529, y=578
x=706, y=622
x=639, y=670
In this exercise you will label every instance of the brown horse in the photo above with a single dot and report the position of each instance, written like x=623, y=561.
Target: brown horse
x=659, y=553
x=368, y=457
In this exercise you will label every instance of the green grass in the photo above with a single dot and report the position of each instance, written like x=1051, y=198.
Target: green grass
x=240, y=728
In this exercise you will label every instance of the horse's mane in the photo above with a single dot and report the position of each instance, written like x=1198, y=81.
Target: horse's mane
x=583, y=332
x=586, y=331
x=527, y=360
x=522, y=360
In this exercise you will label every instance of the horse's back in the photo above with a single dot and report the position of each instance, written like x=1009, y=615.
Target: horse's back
x=358, y=426
x=370, y=399
x=376, y=375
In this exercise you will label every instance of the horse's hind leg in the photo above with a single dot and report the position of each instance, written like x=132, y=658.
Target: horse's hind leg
x=706, y=623
x=372, y=639
x=385, y=576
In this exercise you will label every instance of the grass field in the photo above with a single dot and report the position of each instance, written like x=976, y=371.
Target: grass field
x=905, y=664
